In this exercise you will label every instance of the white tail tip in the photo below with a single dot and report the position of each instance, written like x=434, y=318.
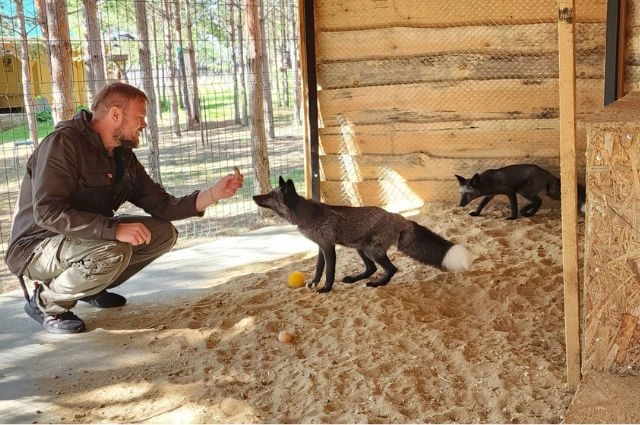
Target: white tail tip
x=457, y=259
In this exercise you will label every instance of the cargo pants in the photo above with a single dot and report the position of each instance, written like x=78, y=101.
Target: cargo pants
x=70, y=269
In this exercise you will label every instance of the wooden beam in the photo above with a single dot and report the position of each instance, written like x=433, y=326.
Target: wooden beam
x=567, y=102
x=615, y=50
x=622, y=38
x=308, y=47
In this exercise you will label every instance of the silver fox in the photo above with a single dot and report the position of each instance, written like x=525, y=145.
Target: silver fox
x=370, y=230
x=527, y=180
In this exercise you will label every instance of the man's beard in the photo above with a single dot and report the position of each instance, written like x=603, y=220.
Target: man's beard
x=132, y=144
x=118, y=134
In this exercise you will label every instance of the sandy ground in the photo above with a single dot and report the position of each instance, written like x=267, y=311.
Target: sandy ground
x=484, y=346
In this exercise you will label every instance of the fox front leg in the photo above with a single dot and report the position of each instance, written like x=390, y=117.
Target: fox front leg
x=319, y=270
x=329, y=276
x=483, y=204
x=513, y=202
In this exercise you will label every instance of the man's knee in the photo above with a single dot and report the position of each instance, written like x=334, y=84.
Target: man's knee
x=164, y=236
x=107, y=262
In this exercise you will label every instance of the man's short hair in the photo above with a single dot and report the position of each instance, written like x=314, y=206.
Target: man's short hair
x=117, y=94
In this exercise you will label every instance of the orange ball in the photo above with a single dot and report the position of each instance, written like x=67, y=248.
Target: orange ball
x=296, y=279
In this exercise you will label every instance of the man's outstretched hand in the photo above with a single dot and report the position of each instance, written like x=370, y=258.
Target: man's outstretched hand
x=227, y=186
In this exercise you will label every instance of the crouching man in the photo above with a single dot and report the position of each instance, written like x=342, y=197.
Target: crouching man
x=65, y=234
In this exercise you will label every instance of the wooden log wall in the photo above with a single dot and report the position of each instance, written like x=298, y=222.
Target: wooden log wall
x=612, y=239
x=412, y=92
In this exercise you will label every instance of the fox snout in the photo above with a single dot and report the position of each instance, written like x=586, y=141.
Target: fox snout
x=262, y=200
x=465, y=198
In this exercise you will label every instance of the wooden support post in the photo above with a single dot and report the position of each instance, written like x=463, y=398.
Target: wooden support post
x=312, y=145
x=615, y=51
x=567, y=103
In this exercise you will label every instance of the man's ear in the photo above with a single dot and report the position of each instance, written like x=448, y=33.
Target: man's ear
x=115, y=113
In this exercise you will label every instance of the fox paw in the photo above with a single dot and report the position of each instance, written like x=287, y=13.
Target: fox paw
x=375, y=284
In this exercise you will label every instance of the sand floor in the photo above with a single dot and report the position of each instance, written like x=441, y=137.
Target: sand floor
x=483, y=346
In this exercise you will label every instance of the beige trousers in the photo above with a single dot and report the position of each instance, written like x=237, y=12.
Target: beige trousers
x=70, y=269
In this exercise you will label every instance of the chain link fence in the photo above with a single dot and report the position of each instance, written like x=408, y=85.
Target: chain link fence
x=203, y=148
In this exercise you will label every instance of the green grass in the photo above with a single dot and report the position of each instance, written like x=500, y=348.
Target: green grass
x=21, y=132
x=216, y=102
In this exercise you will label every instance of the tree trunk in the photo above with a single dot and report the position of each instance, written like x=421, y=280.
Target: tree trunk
x=171, y=68
x=276, y=58
x=182, y=71
x=258, y=135
x=286, y=64
x=234, y=62
x=268, y=102
x=61, y=70
x=157, y=67
x=27, y=91
x=93, y=60
x=243, y=67
x=41, y=17
x=144, y=52
x=192, y=69
x=295, y=65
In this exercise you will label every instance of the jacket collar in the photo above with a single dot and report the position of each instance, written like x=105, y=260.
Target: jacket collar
x=81, y=122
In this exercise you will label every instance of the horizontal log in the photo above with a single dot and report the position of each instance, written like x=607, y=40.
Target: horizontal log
x=394, y=196
x=453, y=67
x=417, y=166
x=458, y=139
x=359, y=14
x=409, y=41
x=452, y=101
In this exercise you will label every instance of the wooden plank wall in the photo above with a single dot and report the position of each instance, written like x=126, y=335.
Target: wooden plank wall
x=412, y=92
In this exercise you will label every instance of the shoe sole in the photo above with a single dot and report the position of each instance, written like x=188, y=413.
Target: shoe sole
x=38, y=316
x=55, y=330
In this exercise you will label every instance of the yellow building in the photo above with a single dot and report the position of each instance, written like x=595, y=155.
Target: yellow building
x=11, y=90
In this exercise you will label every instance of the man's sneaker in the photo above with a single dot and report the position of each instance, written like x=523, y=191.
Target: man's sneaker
x=65, y=323
x=105, y=299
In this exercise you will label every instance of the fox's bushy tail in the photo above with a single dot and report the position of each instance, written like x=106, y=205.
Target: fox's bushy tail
x=430, y=248
x=553, y=189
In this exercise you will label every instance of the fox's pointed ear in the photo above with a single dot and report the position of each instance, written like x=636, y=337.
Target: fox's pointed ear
x=461, y=179
x=281, y=181
x=475, y=180
x=291, y=187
